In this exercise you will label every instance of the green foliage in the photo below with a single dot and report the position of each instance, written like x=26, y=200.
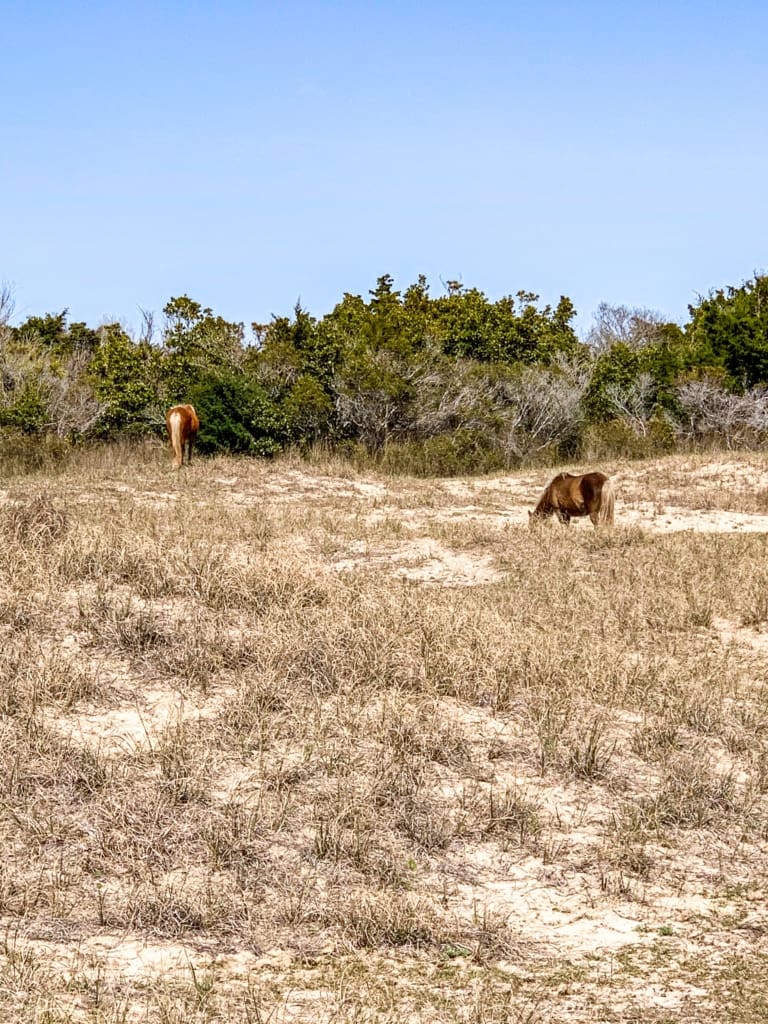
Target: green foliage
x=197, y=343
x=50, y=330
x=51, y=340
x=123, y=375
x=290, y=349
x=308, y=411
x=504, y=331
x=80, y=338
x=464, y=322
x=26, y=410
x=236, y=415
x=471, y=327
x=730, y=329
x=432, y=384
x=615, y=370
x=667, y=360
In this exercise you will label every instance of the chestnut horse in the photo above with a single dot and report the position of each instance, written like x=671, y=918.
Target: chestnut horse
x=183, y=425
x=569, y=496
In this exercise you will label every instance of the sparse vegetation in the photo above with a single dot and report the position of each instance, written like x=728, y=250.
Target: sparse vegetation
x=331, y=747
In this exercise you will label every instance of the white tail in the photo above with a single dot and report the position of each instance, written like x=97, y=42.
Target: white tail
x=178, y=451
x=607, y=498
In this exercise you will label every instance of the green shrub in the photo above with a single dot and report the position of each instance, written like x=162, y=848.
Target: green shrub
x=27, y=409
x=123, y=374
x=308, y=410
x=236, y=415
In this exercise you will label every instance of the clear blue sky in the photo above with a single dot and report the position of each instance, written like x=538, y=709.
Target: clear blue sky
x=251, y=154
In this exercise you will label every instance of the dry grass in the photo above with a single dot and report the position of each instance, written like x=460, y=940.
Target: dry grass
x=288, y=744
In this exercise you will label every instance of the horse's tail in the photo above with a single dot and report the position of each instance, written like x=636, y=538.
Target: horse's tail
x=174, y=426
x=607, y=499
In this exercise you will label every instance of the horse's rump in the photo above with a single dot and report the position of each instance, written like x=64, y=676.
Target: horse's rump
x=182, y=424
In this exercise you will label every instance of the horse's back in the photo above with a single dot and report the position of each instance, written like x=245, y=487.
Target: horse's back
x=567, y=492
x=187, y=417
x=591, y=485
x=576, y=493
x=596, y=478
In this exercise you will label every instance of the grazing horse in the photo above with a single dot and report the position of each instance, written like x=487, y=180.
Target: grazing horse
x=183, y=425
x=569, y=496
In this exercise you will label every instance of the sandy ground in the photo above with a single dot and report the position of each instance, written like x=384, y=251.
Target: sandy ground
x=555, y=905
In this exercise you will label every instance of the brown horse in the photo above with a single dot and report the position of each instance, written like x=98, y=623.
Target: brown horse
x=183, y=425
x=569, y=496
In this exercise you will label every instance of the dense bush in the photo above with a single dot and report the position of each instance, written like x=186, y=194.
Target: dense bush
x=730, y=330
x=425, y=384
x=236, y=415
x=124, y=376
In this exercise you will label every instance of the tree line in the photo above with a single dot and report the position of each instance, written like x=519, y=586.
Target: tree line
x=422, y=383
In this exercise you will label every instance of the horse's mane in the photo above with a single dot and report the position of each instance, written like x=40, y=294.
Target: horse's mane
x=545, y=501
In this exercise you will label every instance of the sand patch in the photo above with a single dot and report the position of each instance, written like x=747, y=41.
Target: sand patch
x=673, y=519
x=745, y=636
x=427, y=561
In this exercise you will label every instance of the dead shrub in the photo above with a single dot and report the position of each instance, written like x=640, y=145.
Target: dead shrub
x=37, y=521
x=370, y=919
x=118, y=622
x=512, y=815
x=174, y=907
x=691, y=795
x=590, y=751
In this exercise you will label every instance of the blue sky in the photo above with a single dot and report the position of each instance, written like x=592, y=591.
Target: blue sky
x=253, y=154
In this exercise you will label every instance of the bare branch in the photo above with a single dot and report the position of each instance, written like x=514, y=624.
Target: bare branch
x=7, y=303
x=634, y=402
x=634, y=327
x=711, y=411
x=147, y=325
